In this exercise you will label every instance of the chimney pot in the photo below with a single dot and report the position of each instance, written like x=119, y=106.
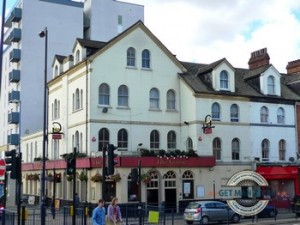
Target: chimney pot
x=259, y=58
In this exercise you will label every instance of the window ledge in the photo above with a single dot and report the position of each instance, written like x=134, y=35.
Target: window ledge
x=104, y=106
x=156, y=110
x=146, y=69
x=77, y=110
x=131, y=67
x=123, y=107
x=172, y=110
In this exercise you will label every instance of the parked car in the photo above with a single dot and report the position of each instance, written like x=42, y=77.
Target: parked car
x=207, y=211
x=295, y=205
x=268, y=211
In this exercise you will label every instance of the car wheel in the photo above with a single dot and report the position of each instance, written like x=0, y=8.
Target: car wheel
x=189, y=222
x=205, y=220
x=235, y=218
x=272, y=213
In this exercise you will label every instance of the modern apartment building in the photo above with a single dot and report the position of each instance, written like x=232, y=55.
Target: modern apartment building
x=22, y=86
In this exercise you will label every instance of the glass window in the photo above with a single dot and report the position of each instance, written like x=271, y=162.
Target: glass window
x=171, y=100
x=56, y=71
x=215, y=112
x=265, y=150
x=154, y=139
x=224, y=80
x=77, y=99
x=282, y=150
x=280, y=115
x=234, y=113
x=189, y=144
x=133, y=190
x=146, y=58
x=154, y=99
x=264, y=115
x=217, y=148
x=235, y=148
x=131, y=57
x=122, y=140
x=188, y=185
x=171, y=140
x=77, y=56
x=271, y=85
x=76, y=141
x=123, y=96
x=103, y=138
x=56, y=109
x=104, y=94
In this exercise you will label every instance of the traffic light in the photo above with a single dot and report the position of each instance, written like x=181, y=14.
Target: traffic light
x=111, y=159
x=134, y=175
x=12, y=163
x=71, y=164
x=57, y=177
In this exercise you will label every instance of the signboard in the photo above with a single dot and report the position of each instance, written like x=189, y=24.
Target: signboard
x=31, y=200
x=2, y=167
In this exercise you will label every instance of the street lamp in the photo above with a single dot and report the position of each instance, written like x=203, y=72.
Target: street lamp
x=44, y=34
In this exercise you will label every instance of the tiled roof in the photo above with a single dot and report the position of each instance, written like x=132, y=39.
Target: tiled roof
x=90, y=43
x=242, y=85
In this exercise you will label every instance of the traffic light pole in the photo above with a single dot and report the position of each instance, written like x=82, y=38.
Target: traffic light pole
x=103, y=172
x=74, y=189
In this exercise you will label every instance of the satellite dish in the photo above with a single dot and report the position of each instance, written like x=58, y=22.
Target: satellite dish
x=291, y=159
x=104, y=110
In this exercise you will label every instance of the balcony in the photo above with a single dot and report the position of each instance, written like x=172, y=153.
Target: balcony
x=13, y=139
x=14, y=36
x=14, y=97
x=15, y=16
x=14, y=76
x=13, y=118
x=15, y=55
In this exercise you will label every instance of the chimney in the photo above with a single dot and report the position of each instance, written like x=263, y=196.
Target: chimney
x=293, y=67
x=259, y=58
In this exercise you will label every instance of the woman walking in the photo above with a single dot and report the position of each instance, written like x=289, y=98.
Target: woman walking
x=114, y=213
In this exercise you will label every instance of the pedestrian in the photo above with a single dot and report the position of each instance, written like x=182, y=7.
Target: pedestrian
x=114, y=216
x=77, y=200
x=98, y=217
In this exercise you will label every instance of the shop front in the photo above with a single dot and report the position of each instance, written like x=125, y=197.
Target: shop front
x=283, y=183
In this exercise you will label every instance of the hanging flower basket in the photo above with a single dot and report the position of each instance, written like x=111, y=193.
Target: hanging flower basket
x=146, y=178
x=50, y=177
x=33, y=177
x=69, y=177
x=83, y=176
x=96, y=178
x=115, y=177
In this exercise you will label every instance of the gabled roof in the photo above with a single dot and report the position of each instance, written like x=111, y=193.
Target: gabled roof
x=208, y=68
x=137, y=25
x=89, y=43
x=59, y=58
x=242, y=87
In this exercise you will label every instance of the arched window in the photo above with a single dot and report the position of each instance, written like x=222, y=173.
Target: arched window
x=77, y=99
x=282, y=149
x=77, y=141
x=235, y=149
x=131, y=57
x=145, y=58
x=215, y=112
x=123, y=96
x=271, y=85
x=154, y=98
x=234, y=113
x=103, y=138
x=154, y=139
x=188, y=185
x=122, y=140
x=189, y=144
x=265, y=150
x=77, y=57
x=224, y=79
x=217, y=148
x=171, y=100
x=280, y=115
x=104, y=94
x=171, y=140
x=56, y=109
x=264, y=115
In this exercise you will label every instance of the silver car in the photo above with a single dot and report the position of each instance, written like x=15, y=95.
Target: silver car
x=206, y=211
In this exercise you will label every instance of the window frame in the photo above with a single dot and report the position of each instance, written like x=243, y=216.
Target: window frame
x=271, y=85
x=122, y=140
x=104, y=94
x=217, y=148
x=216, y=111
x=123, y=96
x=282, y=150
x=235, y=149
x=131, y=57
x=154, y=99
x=171, y=140
x=264, y=114
x=280, y=116
x=146, y=59
x=154, y=140
x=234, y=113
x=171, y=100
x=103, y=138
x=224, y=80
x=265, y=150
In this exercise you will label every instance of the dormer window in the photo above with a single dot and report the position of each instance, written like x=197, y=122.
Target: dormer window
x=271, y=85
x=77, y=56
x=131, y=57
x=56, y=72
x=224, y=80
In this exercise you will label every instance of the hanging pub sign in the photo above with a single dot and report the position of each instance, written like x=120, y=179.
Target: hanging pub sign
x=56, y=131
x=207, y=125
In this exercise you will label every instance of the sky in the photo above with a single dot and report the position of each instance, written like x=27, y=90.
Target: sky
x=204, y=31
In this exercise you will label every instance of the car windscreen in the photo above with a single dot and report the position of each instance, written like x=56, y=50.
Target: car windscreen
x=194, y=205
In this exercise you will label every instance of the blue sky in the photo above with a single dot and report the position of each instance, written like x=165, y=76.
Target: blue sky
x=205, y=31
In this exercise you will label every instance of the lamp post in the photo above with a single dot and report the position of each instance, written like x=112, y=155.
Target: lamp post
x=44, y=34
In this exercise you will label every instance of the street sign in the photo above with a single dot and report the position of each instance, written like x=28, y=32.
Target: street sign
x=2, y=167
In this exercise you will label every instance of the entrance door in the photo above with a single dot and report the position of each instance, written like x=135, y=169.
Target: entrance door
x=152, y=196
x=170, y=198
